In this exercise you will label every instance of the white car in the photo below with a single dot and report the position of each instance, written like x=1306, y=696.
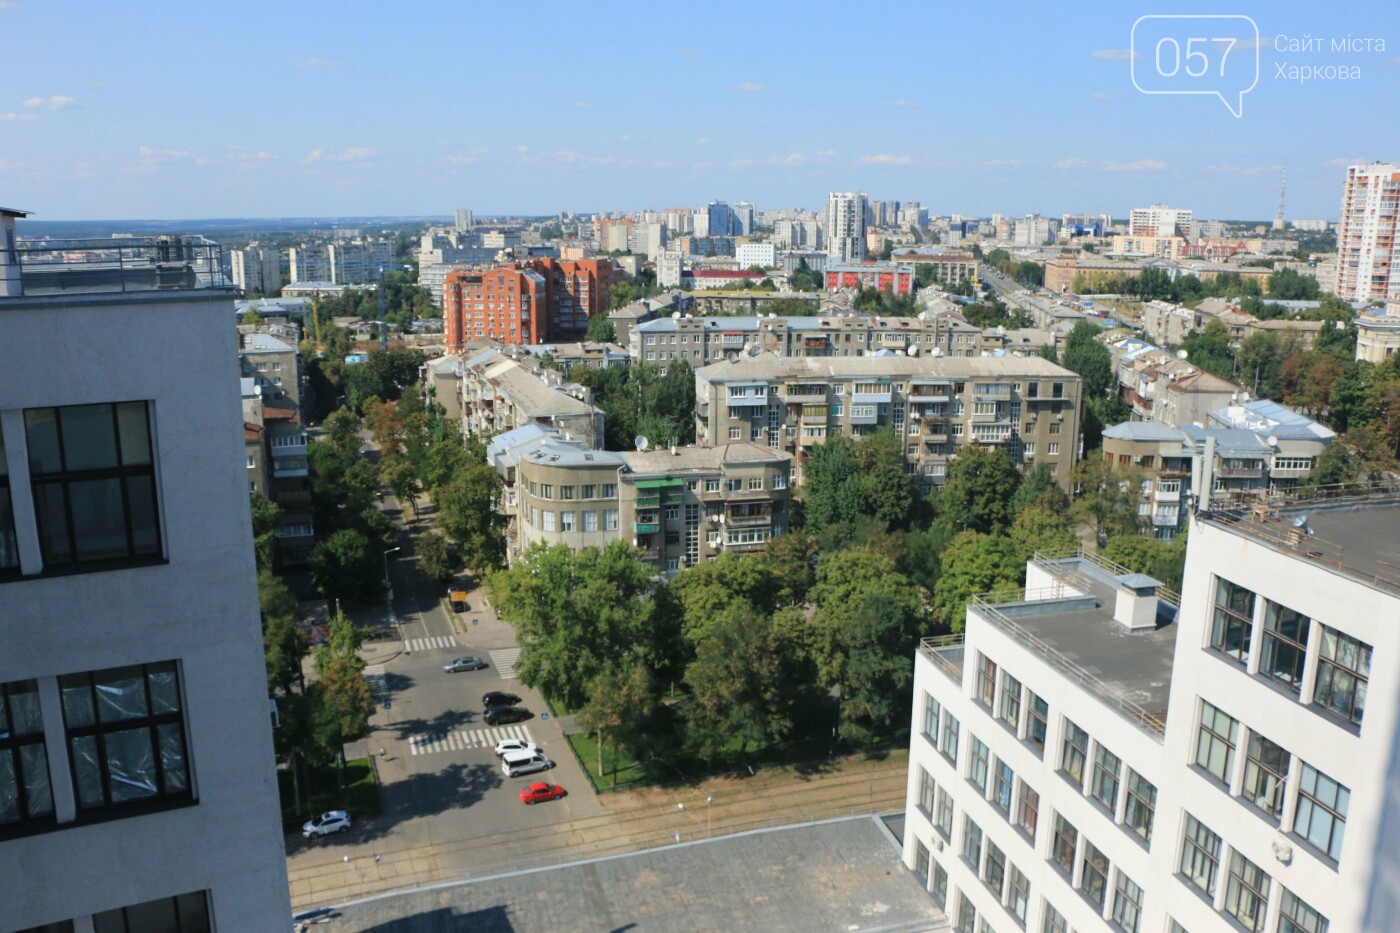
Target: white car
x=333, y=821
x=517, y=763
x=506, y=746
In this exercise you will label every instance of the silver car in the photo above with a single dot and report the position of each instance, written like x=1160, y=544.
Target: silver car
x=467, y=663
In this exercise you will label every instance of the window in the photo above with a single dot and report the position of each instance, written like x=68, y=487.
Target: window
x=1322, y=811
x=1063, y=845
x=1127, y=903
x=1343, y=668
x=1037, y=716
x=948, y=742
x=1141, y=805
x=927, y=792
x=932, y=710
x=1246, y=892
x=188, y=913
x=734, y=434
x=546, y=491
x=1200, y=856
x=1028, y=809
x=1215, y=744
x=25, y=792
x=967, y=916
x=1052, y=448
x=590, y=520
x=712, y=485
x=588, y=491
x=94, y=483
x=972, y=843
x=1105, y=781
x=1003, y=784
x=548, y=520
x=943, y=819
x=1075, y=752
x=610, y=490
x=736, y=485
x=1094, y=881
x=672, y=513
x=939, y=888
x=1234, y=613
x=566, y=521
x=1018, y=895
x=994, y=872
x=922, y=861
x=1285, y=643
x=1265, y=771
x=9, y=548
x=1054, y=921
x=126, y=736
x=566, y=492
x=977, y=765
x=1010, y=710
x=610, y=519
x=780, y=481
x=1296, y=916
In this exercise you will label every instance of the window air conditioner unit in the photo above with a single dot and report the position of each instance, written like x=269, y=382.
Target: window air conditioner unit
x=1283, y=851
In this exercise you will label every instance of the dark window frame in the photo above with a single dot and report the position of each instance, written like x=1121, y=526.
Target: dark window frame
x=1207, y=733
x=1277, y=642
x=1074, y=752
x=1326, y=694
x=1064, y=845
x=1243, y=890
x=1106, y=782
x=1258, y=768
x=1037, y=721
x=1009, y=709
x=9, y=543
x=1093, y=879
x=1201, y=847
x=1139, y=806
x=12, y=746
x=104, y=922
x=1230, y=625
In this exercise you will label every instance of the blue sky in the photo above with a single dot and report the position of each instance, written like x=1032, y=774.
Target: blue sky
x=265, y=109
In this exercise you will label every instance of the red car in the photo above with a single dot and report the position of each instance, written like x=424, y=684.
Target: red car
x=534, y=793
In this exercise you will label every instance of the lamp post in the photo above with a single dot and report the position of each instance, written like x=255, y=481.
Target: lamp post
x=709, y=826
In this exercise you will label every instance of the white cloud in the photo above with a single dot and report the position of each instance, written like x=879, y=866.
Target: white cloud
x=583, y=105
x=358, y=154
x=1002, y=163
x=466, y=158
x=1138, y=165
x=1393, y=60
x=901, y=102
x=702, y=141
x=1344, y=162
x=688, y=53
x=1113, y=55
x=1069, y=163
x=660, y=166
x=18, y=117
x=884, y=158
x=825, y=153
x=740, y=163
x=314, y=62
x=8, y=166
x=700, y=166
x=1100, y=95
x=8, y=6
x=251, y=161
x=148, y=154
x=565, y=155
x=791, y=159
x=749, y=87
x=56, y=102
x=1244, y=169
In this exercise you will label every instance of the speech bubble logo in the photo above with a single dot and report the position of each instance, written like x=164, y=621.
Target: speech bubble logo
x=1215, y=54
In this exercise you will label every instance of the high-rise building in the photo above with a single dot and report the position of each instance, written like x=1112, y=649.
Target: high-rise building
x=1159, y=220
x=745, y=216
x=463, y=220
x=542, y=301
x=845, y=226
x=308, y=264
x=722, y=220
x=1095, y=753
x=256, y=270
x=1366, y=234
x=137, y=779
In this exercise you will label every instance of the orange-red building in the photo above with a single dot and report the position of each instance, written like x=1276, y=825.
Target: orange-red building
x=885, y=276
x=540, y=301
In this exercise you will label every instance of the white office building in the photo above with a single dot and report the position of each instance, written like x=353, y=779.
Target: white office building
x=137, y=783
x=1086, y=756
x=763, y=255
x=1159, y=221
x=845, y=226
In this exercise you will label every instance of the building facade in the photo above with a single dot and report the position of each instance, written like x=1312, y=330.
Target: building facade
x=1026, y=405
x=256, y=270
x=129, y=736
x=1159, y=221
x=1086, y=755
x=845, y=226
x=1377, y=338
x=897, y=278
x=1366, y=234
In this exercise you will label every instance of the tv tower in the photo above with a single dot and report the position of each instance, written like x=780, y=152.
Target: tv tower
x=1279, y=222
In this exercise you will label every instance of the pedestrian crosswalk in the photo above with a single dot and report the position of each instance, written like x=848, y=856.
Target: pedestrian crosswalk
x=374, y=676
x=505, y=662
x=461, y=739
x=435, y=641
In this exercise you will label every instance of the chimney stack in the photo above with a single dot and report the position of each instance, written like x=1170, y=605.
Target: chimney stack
x=1136, y=606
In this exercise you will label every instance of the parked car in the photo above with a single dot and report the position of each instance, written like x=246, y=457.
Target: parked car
x=457, y=599
x=518, y=763
x=467, y=663
x=497, y=698
x=534, y=793
x=500, y=715
x=506, y=746
x=333, y=821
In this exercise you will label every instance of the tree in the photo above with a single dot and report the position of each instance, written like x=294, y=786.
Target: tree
x=1162, y=560
x=846, y=580
x=619, y=699
x=1210, y=350
x=251, y=318
x=887, y=489
x=879, y=670
x=436, y=556
x=1090, y=359
x=1036, y=529
x=469, y=513
x=343, y=566
x=340, y=702
x=738, y=685
x=1108, y=498
x=974, y=563
x=265, y=515
x=706, y=590
x=600, y=329
x=283, y=646
x=342, y=429
x=792, y=556
x=979, y=490
x=1038, y=489
x=1336, y=465
x=831, y=488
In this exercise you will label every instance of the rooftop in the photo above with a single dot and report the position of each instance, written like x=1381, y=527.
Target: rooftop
x=768, y=365
x=701, y=458
x=119, y=264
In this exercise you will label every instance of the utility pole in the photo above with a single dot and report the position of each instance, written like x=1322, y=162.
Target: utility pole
x=383, y=333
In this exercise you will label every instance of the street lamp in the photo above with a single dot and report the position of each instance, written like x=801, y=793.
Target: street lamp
x=708, y=825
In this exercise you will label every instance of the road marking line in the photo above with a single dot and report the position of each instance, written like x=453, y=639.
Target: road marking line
x=505, y=662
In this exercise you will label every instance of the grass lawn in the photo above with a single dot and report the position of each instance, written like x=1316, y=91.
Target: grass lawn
x=617, y=772
x=360, y=798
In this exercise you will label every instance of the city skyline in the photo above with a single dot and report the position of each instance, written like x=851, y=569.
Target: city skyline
x=1007, y=108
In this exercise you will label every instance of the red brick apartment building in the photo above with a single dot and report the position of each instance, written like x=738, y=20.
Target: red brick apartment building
x=540, y=301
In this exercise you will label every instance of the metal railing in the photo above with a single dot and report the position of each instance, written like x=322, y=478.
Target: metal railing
x=1045, y=558
x=1151, y=721
x=119, y=264
x=935, y=648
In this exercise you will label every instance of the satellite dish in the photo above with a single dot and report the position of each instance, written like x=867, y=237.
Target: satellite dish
x=1301, y=523
x=675, y=315
x=1181, y=354
x=1273, y=441
x=640, y=442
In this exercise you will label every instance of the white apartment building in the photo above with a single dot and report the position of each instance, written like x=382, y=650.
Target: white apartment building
x=845, y=226
x=1032, y=230
x=358, y=261
x=1159, y=221
x=463, y=220
x=308, y=264
x=256, y=270
x=1086, y=756
x=763, y=255
x=137, y=781
x=1366, y=234
x=798, y=234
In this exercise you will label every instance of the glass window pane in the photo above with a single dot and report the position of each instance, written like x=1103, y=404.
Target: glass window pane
x=194, y=913
x=99, y=523
x=109, y=921
x=121, y=694
x=141, y=508
x=131, y=763
x=24, y=709
x=9, y=546
x=89, y=437
x=153, y=917
x=77, y=701
x=135, y=436
x=88, y=771
x=9, y=787
x=172, y=758
x=52, y=516
x=41, y=431
x=165, y=688
x=35, y=765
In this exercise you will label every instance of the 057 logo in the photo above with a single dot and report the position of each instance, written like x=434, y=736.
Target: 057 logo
x=1186, y=54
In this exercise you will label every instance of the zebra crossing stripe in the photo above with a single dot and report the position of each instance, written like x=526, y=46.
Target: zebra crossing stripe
x=432, y=642
x=374, y=676
x=463, y=739
x=504, y=662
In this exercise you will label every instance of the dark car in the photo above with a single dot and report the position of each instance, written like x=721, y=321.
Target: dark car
x=500, y=715
x=497, y=698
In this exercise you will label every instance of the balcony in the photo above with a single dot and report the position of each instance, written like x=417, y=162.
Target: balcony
x=749, y=521
x=805, y=395
x=1161, y=520
x=646, y=528
x=135, y=264
x=1240, y=472
x=747, y=401
x=1167, y=495
x=946, y=652
x=289, y=467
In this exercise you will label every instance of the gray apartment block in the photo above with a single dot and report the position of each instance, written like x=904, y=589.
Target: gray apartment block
x=1027, y=405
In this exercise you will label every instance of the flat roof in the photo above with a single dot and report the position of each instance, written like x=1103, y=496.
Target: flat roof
x=842, y=875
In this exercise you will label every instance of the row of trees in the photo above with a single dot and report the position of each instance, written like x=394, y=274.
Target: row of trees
x=639, y=400
x=1156, y=284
